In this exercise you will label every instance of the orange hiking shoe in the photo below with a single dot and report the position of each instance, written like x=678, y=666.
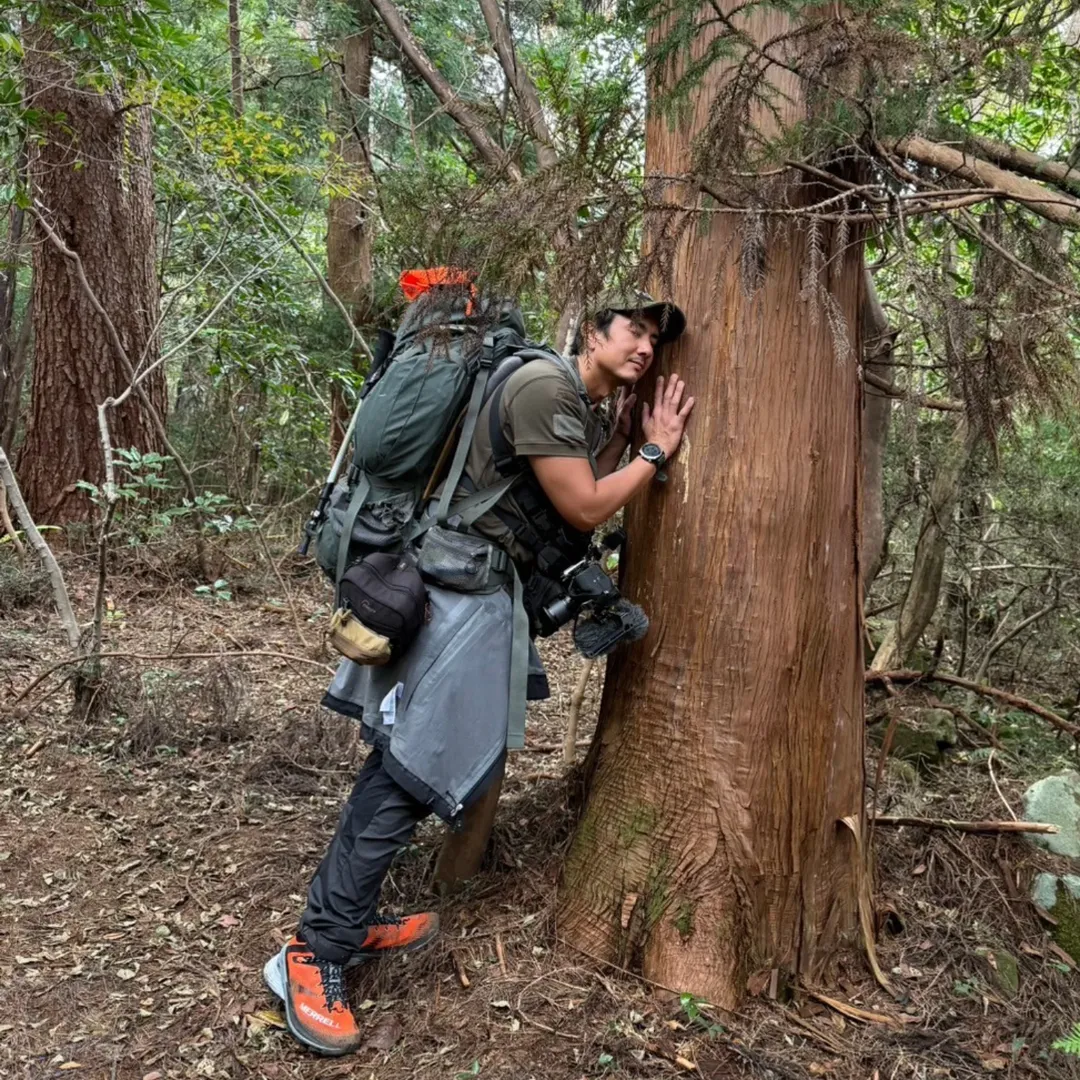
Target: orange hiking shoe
x=313, y=990
x=405, y=934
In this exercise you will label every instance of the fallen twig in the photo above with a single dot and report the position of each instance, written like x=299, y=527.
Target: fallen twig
x=978, y=688
x=500, y=954
x=970, y=826
x=547, y=748
x=868, y=1016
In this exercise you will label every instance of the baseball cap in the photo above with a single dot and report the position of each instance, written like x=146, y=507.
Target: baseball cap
x=668, y=316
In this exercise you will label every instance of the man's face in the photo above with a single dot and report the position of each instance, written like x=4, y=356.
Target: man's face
x=627, y=351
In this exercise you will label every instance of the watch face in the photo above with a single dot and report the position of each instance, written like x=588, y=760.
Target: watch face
x=651, y=452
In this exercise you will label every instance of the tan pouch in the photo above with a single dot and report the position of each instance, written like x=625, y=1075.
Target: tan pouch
x=355, y=641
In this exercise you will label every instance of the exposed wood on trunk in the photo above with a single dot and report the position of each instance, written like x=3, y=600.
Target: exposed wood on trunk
x=236, y=60
x=730, y=745
x=924, y=586
x=878, y=339
x=1052, y=205
x=1015, y=700
x=989, y=827
x=348, y=233
x=1024, y=161
x=469, y=122
x=91, y=174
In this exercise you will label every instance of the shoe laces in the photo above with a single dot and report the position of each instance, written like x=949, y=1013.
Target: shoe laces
x=385, y=920
x=333, y=981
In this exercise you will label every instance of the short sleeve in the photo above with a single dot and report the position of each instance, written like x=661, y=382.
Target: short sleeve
x=545, y=417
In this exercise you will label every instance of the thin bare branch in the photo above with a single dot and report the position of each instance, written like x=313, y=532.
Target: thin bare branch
x=37, y=542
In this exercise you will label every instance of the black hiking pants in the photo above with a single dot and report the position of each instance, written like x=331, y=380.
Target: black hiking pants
x=378, y=820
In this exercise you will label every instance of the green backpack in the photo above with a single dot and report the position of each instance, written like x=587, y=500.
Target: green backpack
x=436, y=375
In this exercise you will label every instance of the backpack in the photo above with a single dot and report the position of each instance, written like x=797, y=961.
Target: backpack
x=450, y=352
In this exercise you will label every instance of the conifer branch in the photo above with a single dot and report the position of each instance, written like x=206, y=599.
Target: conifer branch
x=467, y=120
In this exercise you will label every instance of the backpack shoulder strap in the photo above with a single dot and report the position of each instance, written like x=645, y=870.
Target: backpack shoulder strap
x=476, y=401
x=505, y=459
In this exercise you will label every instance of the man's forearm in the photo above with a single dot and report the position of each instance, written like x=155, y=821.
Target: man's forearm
x=607, y=461
x=615, y=491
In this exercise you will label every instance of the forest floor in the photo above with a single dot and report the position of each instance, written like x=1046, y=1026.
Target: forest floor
x=153, y=857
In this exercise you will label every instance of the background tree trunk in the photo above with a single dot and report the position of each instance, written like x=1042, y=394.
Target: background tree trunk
x=236, y=64
x=876, y=415
x=348, y=237
x=12, y=356
x=91, y=176
x=730, y=745
x=924, y=587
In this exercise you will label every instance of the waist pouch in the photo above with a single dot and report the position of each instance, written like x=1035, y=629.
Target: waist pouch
x=383, y=606
x=462, y=562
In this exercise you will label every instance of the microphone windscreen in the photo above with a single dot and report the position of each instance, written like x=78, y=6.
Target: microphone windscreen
x=603, y=630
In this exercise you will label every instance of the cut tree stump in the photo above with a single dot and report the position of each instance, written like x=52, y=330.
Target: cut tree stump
x=463, y=852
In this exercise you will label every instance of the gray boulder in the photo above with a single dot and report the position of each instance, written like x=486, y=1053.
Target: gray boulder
x=1056, y=800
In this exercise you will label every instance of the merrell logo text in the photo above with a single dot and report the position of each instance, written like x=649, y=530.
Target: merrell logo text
x=316, y=1016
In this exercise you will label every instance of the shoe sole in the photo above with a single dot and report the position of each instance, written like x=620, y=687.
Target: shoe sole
x=275, y=979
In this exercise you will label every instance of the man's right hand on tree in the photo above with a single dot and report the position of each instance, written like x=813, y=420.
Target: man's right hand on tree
x=665, y=422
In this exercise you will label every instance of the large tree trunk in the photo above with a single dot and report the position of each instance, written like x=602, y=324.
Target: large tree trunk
x=90, y=173
x=713, y=842
x=876, y=416
x=924, y=587
x=348, y=237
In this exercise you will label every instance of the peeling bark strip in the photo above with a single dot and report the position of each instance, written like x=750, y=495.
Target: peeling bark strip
x=91, y=174
x=730, y=744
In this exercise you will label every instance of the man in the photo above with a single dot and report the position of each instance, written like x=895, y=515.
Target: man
x=438, y=718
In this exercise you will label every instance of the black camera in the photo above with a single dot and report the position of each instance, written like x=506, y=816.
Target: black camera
x=584, y=584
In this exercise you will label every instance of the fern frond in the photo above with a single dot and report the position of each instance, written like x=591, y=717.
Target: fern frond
x=1070, y=1044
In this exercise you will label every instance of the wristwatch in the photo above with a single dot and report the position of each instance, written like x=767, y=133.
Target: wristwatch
x=652, y=453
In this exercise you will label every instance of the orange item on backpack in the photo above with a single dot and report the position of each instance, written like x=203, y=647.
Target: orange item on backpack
x=415, y=283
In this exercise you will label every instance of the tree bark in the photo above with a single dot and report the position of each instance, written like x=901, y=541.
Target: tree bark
x=716, y=838
x=236, y=58
x=12, y=344
x=1053, y=205
x=1061, y=173
x=90, y=173
x=924, y=587
x=348, y=235
x=16, y=374
x=876, y=415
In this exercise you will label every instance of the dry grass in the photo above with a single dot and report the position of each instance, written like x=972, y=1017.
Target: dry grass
x=148, y=868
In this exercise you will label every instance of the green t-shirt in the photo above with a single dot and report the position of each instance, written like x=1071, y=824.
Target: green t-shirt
x=544, y=412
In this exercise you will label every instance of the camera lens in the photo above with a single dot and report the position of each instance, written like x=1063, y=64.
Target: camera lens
x=555, y=614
